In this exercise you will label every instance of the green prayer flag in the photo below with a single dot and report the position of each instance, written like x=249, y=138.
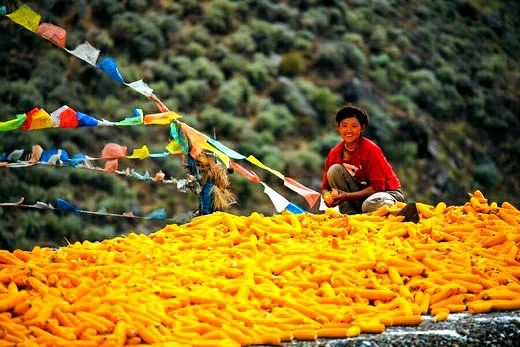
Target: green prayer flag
x=13, y=124
x=131, y=121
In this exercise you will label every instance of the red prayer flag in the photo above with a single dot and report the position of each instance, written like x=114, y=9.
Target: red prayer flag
x=250, y=175
x=111, y=165
x=310, y=195
x=69, y=118
x=53, y=33
x=113, y=151
x=28, y=119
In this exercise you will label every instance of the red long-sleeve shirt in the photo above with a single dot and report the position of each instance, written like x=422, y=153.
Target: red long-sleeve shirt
x=367, y=163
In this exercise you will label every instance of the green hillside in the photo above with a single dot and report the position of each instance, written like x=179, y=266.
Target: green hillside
x=439, y=79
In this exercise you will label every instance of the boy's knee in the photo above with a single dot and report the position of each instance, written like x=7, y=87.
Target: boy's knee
x=335, y=170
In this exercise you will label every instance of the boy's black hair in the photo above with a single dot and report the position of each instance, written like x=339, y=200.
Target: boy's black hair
x=350, y=111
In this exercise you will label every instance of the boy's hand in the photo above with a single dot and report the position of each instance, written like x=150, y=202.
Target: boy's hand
x=333, y=197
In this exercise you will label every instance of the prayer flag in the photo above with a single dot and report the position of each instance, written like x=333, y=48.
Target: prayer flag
x=113, y=151
x=160, y=118
x=310, y=195
x=109, y=66
x=85, y=120
x=223, y=158
x=197, y=139
x=53, y=33
x=226, y=150
x=140, y=153
x=258, y=163
x=136, y=119
x=13, y=124
x=141, y=87
x=293, y=208
x=37, y=119
x=279, y=202
x=15, y=155
x=174, y=147
x=77, y=159
x=111, y=165
x=26, y=17
x=157, y=214
x=65, y=117
x=64, y=205
x=86, y=52
x=159, y=155
x=178, y=135
x=250, y=175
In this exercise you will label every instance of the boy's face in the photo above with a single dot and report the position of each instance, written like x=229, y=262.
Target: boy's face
x=350, y=129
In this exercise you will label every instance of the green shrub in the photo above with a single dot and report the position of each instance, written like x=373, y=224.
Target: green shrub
x=219, y=16
x=323, y=144
x=234, y=92
x=194, y=50
x=293, y=63
x=242, y=40
x=233, y=63
x=276, y=119
x=182, y=68
x=258, y=74
x=264, y=35
x=286, y=91
x=208, y=71
x=488, y=174
x=190, y=93
x=378, y=38
x=223, y=123
x=333, y=58
x=315, y=19
x=403, y=102
x=381, y=127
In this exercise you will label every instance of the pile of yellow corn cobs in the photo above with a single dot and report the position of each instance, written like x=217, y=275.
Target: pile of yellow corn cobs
x=225, y=280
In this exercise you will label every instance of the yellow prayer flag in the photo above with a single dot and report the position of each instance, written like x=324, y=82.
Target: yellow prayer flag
x=163, y=118
x=258, y=163
x=140, y=153
x=41, y=120
x=174, y=147
x=26, y=17
x=223, y=158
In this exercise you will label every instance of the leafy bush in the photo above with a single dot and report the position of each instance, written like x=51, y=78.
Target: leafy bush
x=286, y=91
x=219, y=16
x=293, y=63
x=258, y=74
x=233, y=63
x=334, y=57
x=323, y=144
x=242, y=40
x=194, y=50
x=233, y=93
x=322, y=99
x=276, y=119
x=190, y=93
x=142, y=37
x=378, y=38
x=208, y=71
x=316, y=20
x=223, y=123
x=488, y=174
x=381, y=127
